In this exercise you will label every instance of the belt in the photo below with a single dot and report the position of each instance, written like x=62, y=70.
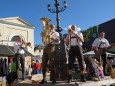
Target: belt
x=21, y=53
x=52, y=44
x=49, y=45
x=73, y=45
x=101, y=48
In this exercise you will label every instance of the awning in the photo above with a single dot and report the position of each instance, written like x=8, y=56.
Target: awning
x=6, y=51
x=9, y=51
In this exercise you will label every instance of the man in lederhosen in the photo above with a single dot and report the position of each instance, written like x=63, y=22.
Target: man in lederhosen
x=75, y=39
x=50, y=52
x=19, y=56
x=100, y=46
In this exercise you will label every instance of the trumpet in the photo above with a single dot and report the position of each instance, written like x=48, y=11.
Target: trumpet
x=69, y=30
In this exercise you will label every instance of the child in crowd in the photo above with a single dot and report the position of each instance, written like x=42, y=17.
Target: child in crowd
x=92, y=69
x=113, y=63
x=37, y=67
x=109, y=64
x=100, y=69
x=12, y=74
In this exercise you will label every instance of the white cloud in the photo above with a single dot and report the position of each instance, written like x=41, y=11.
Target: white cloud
x=69, y=26
x=78, y=29
x=65, y=29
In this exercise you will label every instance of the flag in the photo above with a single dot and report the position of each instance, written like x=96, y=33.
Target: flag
x=95, y=31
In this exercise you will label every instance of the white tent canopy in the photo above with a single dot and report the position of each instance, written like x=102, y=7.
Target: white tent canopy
x=91, y=53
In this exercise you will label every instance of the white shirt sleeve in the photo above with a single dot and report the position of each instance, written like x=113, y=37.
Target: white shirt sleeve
x=95, y=43
x=56, y=36
x=28, y=48
x=81, y=35
x=107, y=43
x=16, y=47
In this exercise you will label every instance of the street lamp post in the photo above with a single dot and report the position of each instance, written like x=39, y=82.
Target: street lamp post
x=57, y=11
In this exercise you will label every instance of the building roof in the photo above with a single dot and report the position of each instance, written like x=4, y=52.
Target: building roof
x=109, y=29
x=9, y=51
x=37, y=47
x=22, y=23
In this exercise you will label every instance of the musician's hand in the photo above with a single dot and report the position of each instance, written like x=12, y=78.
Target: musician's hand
x=95, y=49
x=74, y=32
x=41, y=34
x=105, y=49
x=48, y=36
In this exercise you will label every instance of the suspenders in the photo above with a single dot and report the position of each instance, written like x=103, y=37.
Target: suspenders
x=51, y=41
x=101, y=43
x=73, y=37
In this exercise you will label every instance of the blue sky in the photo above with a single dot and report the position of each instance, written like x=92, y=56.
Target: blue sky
x=83, y=13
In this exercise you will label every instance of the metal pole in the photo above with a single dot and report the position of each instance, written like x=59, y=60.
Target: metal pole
x=57, y=10
x=57, y=16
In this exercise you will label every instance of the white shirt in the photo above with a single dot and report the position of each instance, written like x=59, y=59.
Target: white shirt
x=97, y=42
x=55, y=35
x=113, y=63
x=74, y=41
x=28, y=48
x=17, y=48
x=21, y=51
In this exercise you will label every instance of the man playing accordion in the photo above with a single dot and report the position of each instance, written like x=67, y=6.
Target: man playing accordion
x=100, y=46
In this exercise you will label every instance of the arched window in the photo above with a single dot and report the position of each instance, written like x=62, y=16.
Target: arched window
x=15, y=38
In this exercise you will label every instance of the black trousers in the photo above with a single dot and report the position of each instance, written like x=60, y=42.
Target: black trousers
x=11, y=77
x=104, y=61
x=76, y=52
x=49, y=55
x=20, y=59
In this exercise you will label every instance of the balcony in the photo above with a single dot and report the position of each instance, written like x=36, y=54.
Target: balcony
x=7, y=42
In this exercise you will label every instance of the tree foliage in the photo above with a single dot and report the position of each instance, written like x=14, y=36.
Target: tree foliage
x=88, y=38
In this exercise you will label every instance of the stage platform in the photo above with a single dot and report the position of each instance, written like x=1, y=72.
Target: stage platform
x=107, y=81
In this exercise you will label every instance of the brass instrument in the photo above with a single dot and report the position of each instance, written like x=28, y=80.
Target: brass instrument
x=69, y=30
x=99, y=52
x=45, y=32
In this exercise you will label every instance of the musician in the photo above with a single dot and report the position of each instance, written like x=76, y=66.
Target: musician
x=50, y=51
x=100, y=46
x=28, y=46
x=19, y=56
x=75, y=39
